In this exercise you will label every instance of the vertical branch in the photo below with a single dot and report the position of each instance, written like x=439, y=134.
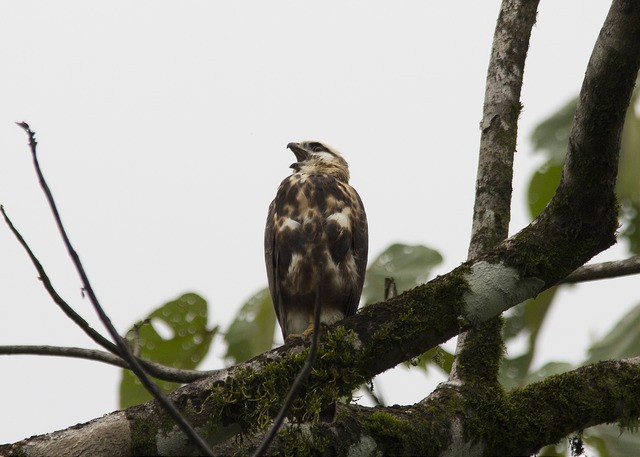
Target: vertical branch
x=492, y=208
x=491, y=212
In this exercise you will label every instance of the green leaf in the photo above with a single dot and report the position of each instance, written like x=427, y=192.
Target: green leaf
x=186, y=319
x=554, y=450
x=511, y=381
x=628, y=184
x=621, y=342
x=542, y=186
x=549, y=369
x=611, y=440
x=551, y=136
x=436, y=356
x=251, y=332
x=631, y=225
x=408, y=265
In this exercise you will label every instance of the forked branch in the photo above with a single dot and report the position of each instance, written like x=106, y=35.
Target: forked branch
x=123, y=349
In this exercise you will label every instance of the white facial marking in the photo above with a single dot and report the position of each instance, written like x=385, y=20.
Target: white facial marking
x=325, y=156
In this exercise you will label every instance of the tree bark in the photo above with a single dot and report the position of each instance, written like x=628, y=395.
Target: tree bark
x=492, y=207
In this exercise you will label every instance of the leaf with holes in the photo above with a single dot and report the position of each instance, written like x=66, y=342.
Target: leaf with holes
x=551, y=136
x=436, y=356
x=408, y=265
x=174, y=335
x=251, y=332
x=622, y=341
x=628, y=184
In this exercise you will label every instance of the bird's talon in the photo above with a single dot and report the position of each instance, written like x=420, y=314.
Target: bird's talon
x=291, y=337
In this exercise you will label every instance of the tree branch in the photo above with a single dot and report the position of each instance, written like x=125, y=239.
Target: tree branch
x=123, y=349
x=581, y=218
x=79, y=353
x=492, y=208
x=499, y=127
x=604, y=270
x=579, y=222
x=518, y=423
x=57, y=299
x=155, y=369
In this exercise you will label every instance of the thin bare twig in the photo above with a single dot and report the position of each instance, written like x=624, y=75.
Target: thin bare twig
x=390, y=288
x=377, y=398
x=297, y=383
x=604, y=270
x=78, y=353
x=123, y=349
x=155, y=369
x=58, y=300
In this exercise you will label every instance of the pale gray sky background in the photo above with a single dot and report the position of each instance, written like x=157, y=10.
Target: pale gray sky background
x=162, y=129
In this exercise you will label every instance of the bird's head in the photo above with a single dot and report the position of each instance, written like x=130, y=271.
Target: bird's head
x=318, y=158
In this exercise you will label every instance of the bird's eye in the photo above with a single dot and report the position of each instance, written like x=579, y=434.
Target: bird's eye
x=317, y=147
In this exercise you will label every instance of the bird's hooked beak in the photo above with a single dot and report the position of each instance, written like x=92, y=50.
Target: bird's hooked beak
x=301, y=154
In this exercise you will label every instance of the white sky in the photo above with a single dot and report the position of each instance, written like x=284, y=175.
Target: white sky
x=162, y=130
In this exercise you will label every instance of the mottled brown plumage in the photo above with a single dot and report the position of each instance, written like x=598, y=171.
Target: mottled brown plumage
x=316, y=236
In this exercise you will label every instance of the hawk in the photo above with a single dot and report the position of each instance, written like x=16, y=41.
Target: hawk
x=315, y=239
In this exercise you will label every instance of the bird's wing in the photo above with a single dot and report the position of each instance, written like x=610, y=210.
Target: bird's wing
x=360, y=250
x=271, y=261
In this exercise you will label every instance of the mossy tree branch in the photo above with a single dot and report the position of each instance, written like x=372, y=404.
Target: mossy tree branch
x=499, y=127
x=525, y=419
x=514, y=423
x=492, y=208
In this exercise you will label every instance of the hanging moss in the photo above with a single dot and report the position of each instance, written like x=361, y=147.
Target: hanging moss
x=252, y=398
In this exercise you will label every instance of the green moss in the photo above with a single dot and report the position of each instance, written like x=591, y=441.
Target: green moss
x=480, y=361
x=549, y=410
x=253, y=398
x=348, y=355
x=431, y=306
x=15, y=450
x=144, y=436
x=575, y=239
x=395, y=433
x=296, y=441
x=414, y=431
